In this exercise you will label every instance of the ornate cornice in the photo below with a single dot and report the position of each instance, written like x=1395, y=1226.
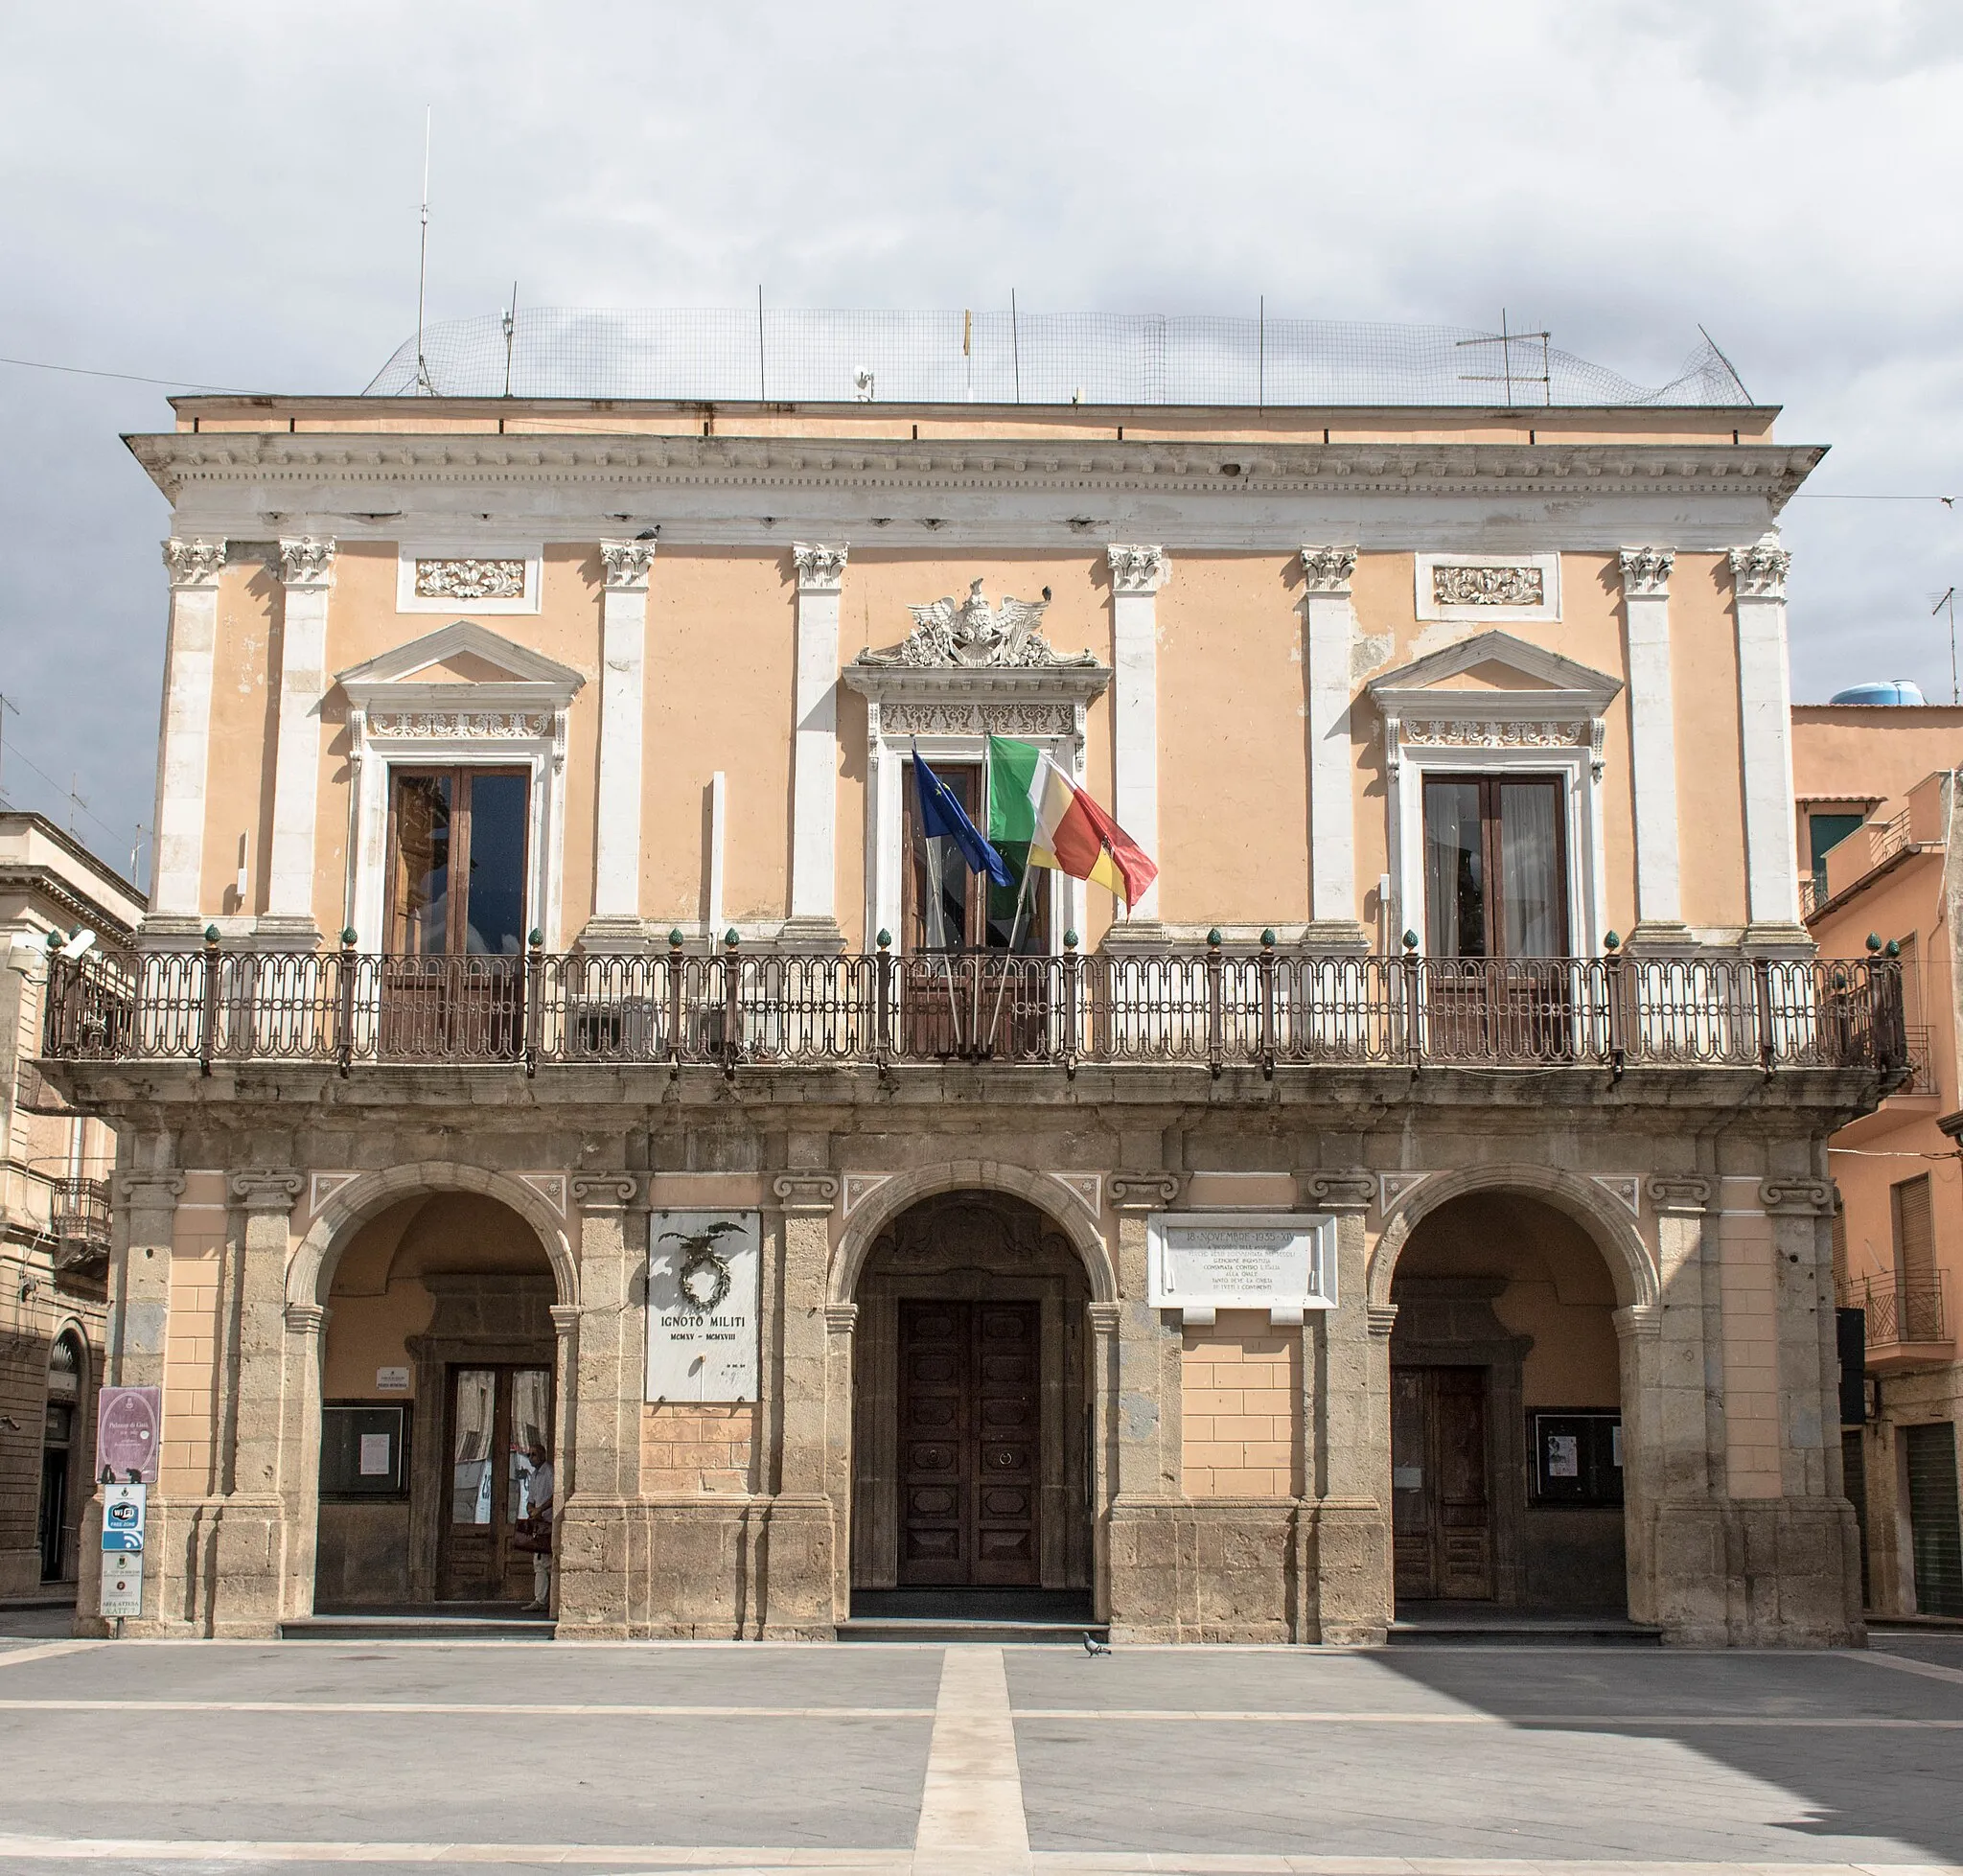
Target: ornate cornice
x=806, y=1195
x=1328, y=569
x=269, y=461
x=1645, y=572
x=193, y=564
x=1678, y=1194
x=1143, y=1191
x=604, y=1191
x=1796, y=1196
x=819, y=568
x=1137, y=569
x=268, y=1191
x=1759, y=572
x=626, y=564
x=1353, y=1190
x=306, y=560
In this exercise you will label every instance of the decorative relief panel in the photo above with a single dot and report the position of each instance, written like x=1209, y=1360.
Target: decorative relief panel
x=1488, y=733
x=470, y=579
x=504, y=726
x=974, y=717
x=1454, y=585
x=434, y=577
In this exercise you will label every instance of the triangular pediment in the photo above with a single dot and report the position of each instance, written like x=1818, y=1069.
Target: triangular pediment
x=462, y=653
x=1490, y=666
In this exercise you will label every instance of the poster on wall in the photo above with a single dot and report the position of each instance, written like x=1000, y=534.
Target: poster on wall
x=130, y=1432
x=704, y=1290
x=1205, y=1261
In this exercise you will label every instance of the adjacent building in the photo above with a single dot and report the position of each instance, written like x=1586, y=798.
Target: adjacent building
x=55, y=1211
x=547, y=1030
x=1877, y=789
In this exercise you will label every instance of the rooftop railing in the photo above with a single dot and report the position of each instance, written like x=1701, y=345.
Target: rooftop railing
x=1204, y=1008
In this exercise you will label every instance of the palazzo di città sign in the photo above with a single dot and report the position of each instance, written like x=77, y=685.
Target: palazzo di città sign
x=704, y=1274
x=1205, y=1261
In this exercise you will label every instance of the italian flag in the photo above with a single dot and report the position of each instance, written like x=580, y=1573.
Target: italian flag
x=1032, y=803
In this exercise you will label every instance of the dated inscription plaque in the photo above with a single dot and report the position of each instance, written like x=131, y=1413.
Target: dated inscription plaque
x=703, y=1274
x=1282, y=1261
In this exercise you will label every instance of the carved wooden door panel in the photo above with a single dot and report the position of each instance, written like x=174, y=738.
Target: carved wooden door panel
x=1441, y=1502
x=969, y=1440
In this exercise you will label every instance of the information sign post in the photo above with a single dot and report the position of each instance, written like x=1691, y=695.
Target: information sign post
x=124, y=1507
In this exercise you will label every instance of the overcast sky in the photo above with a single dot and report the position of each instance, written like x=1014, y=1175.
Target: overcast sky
x=226, y=193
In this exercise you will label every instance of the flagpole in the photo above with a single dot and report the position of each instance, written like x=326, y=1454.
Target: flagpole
x=1015, y=925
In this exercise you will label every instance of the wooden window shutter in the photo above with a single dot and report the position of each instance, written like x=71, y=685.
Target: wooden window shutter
x=1840, y=1243
x=1915, y=1240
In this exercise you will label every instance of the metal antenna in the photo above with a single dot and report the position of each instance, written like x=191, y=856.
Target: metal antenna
x=762, y=382
x=1261, y=355
x=510, y=333
x=6, y=704
x=1506, y=375
x=76, y=803
x=1948, y=601
x=422, y=383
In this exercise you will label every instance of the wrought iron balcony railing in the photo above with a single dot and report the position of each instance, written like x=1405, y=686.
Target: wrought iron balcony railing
x=79, y=1217
x=1205, y=1009
x=1899, y=1309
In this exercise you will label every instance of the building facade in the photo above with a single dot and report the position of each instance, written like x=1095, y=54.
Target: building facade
x=54, y=1215
x=1877, y=805
x=546, y=1030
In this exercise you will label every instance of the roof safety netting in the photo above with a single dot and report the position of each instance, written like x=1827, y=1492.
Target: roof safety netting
x=793, y=356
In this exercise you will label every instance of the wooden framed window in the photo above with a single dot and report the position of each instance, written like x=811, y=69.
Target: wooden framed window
x=1495, y=866
x=1916, y=1239
x=969, y=912
x=458, y=840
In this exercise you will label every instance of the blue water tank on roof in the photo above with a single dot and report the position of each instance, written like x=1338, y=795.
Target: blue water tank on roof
x=1900, y=691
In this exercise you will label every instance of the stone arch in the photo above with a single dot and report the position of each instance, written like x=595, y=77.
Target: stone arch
x=1610, y=1227
x=311, y=1274
x=903, y=1190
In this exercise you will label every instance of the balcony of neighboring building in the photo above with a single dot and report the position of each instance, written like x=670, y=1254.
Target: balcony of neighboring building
x=1906, y=1321
x=78, y=1221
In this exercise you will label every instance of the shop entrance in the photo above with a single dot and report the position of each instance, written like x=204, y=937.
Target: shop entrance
x=498, y=1415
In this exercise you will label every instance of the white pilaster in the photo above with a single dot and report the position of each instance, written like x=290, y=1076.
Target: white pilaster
x=814, y=921
x=1137, y=573
x=307, y=574
x=1765, y=691
x=1329, y=644
x=194, y=568
x=623, y=682
x=1652, y=745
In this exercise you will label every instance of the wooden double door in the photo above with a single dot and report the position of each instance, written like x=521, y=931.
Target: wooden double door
x=497, y=1414
x=969, y=1426
x=1441, y=1486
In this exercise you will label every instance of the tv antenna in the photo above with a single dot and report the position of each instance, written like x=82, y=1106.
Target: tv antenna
x=1506, y=375
x=510, y=325
x=424, y=387
x=1949, y=602
x=6, y=704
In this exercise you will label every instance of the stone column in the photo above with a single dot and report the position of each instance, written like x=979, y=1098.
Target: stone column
x=841, y=1320
x=1103, y=1457
x=306, y=1342
x=177, y=865
x=814, y=921
x=249, y=1550
x=1765, y=745
x=616, y=922
x=139, y=1323
x=1137, y=573
x=1328, y=646
x=1345, y=1592
x=1143, y=1408
x=801, y=1536
x=1653, y=749
x=599, y=1475
x=307, y=574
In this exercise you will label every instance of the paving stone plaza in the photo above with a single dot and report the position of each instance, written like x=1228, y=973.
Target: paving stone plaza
x=1461, y=1760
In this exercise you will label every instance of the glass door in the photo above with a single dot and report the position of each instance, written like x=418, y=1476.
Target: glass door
x=497, y=1416
x=454, y=981
x=963, y=994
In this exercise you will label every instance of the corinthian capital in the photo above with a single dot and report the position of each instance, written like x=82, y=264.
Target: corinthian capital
x=1645, y=572
x=1137, y=569
x=627, y=564
x=194, y=562
x=306, y=562
x=819, y=568
x=1759, y=572
x=1328, y=569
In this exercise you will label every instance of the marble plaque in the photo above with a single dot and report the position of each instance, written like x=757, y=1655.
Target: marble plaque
x=1281, y=1261
x=705, y=1272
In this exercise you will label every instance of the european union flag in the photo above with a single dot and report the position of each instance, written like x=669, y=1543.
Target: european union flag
x=942, y=817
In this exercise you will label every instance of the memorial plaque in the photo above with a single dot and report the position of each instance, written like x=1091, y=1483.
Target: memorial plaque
x=128, y=1431
x=1205, y=1261
x=704, y=1274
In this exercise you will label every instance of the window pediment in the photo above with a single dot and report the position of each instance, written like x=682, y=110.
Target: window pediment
x=462, y=667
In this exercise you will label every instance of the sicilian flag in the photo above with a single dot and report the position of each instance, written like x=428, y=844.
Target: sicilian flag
x=1032, y=801
x=948, y=836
